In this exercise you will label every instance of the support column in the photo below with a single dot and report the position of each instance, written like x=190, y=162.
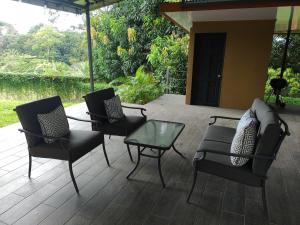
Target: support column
x=89, y=40
x=287, y=42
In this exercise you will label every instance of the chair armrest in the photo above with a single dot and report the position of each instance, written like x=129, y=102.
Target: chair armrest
x=43, y=136
x=248, y=156
x=83, y=120
x=101, y=116
x=221, y=117
x=139, y=108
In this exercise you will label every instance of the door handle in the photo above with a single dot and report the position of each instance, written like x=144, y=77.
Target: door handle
x=219, y=76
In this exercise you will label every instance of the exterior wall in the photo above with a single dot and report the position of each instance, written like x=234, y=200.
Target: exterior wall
x=247, y=55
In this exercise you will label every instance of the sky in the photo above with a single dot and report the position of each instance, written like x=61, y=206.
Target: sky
x=23, y=16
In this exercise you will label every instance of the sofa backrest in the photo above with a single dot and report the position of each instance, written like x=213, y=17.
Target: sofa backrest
x=269, y=136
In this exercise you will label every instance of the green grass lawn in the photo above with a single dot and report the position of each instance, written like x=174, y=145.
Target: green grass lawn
x=8, y=116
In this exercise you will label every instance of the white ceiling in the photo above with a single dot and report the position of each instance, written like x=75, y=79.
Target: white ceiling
x=186, y=18
x=233, y=14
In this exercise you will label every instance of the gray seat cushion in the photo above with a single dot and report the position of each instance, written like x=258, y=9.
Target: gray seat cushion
x=219, y=133
x=80, y=142
x=221, y=165
x=123, y=127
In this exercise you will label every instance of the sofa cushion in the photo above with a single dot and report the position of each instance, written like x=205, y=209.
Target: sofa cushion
x=259, y=107
x=114, y=109
x=215, y=146
x=220, y=134
x=244, y=138
x=220, y=165
x=268, y=137
x=54, y=124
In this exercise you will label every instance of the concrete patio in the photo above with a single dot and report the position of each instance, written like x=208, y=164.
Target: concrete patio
x=108, y=198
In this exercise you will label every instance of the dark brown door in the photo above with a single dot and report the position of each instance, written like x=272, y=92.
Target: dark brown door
x=208, y=68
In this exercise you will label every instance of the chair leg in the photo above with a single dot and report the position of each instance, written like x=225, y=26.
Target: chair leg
x=129, y=152
x=104, y=151
x=30, y=163
x=194, y=182
x=109, y=136
x=263, y=189
x=72, y=176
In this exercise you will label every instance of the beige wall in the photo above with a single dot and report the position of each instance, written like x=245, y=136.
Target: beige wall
x=247, y=55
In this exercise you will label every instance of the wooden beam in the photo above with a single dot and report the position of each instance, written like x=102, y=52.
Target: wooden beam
x=178, y=6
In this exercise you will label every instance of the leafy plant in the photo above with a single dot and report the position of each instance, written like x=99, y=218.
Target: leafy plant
x=168, y=57
x=140, y=89
x=293, y=79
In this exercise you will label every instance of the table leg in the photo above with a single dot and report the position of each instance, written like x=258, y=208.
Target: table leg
x=159, y=169
x=137, y=163
x=129, y=152
x=179, y=153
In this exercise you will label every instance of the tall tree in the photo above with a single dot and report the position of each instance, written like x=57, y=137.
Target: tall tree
x=123, y=35
x=45, y=41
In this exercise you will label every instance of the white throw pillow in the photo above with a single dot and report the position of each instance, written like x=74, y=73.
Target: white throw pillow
x=244, y=138
x=54, y=124
x=114, y=109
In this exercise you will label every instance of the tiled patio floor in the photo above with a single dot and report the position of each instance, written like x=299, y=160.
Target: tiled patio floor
x=108, y=198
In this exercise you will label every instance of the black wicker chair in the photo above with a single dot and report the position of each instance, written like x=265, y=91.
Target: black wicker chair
x=70, y=147
x=213, y=155
x=124, y=127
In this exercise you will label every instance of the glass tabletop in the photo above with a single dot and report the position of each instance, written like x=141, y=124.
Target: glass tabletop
x=156, y=134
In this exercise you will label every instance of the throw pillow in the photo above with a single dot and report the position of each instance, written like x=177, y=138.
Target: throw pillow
x=244, y=139
x=114, y=109
x=54, y=124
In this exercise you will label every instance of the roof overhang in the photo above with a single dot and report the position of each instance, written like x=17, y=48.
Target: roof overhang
x=184, y=15
x=72, y=6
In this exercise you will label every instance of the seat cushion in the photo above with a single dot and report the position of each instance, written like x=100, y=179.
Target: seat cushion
x=80, y=142
x=220, y=165
x=123, y=127
x=219, y=133
x=54, y=124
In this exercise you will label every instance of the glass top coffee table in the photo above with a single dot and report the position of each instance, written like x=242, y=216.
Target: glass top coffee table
x=158, y=136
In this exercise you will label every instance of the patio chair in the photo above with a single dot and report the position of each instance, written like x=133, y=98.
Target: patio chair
x=213, y=155
x=123, y=127
x=70, y=147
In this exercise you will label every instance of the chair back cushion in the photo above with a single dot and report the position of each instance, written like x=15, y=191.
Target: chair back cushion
x=269, y=135
x=244, y=139
x=114, y=109
x=95, y=102
x=54, y=124
x=28, y=112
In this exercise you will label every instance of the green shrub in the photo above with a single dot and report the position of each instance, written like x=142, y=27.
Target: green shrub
x=140, y=89
x=293, y=79
x=28, y=87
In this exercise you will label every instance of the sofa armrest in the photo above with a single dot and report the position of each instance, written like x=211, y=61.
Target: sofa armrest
x=221, y=117
x=248, y=156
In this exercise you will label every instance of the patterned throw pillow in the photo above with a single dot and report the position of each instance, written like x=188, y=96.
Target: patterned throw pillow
x=54, y=124
x=114, y=109
x=244, y=138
